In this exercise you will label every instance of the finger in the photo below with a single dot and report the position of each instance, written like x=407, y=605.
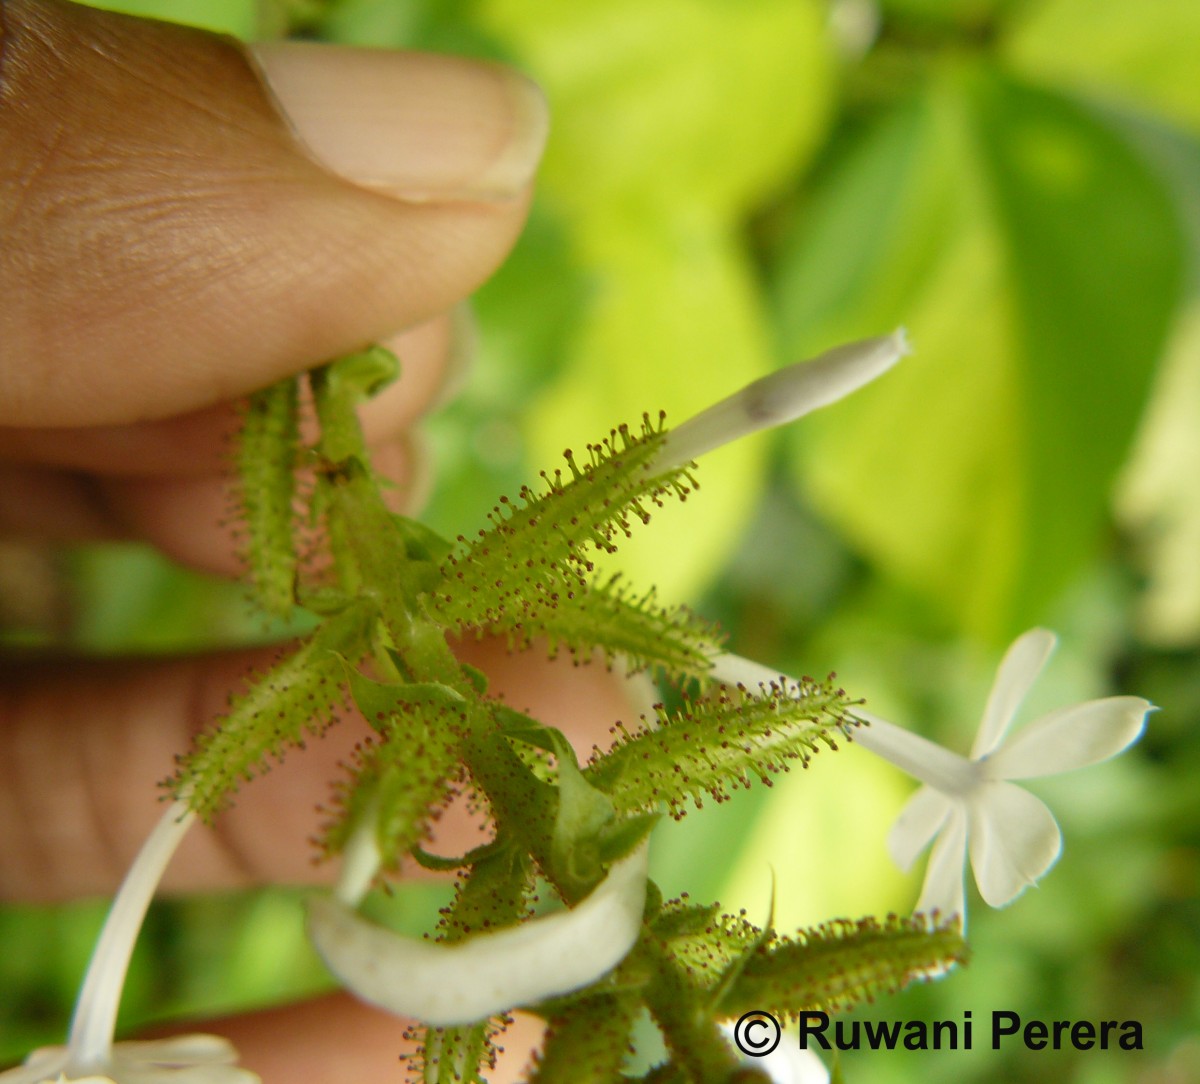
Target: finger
x=199, y=444
x=82, y=752
x=195, y=521
x=167, y=243
x=307, y=1043
x=191, y=520
x=46, y=505
x=170, y=481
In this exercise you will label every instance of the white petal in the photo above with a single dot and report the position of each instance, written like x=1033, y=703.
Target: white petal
x=186, y=1059
x=1014, y=840
x=195, y=1049
x=782, y=397
x=788, y=1064
x=44, y=1064
x=155, y=1072
x=927, y=761
x=919, y=821
x=360, y=859
x=1070, y=738
x=943, y=893
x=460, y=983
x=1019, y=669
x=152, y=1073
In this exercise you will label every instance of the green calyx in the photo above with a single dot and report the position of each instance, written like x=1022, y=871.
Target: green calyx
x=718, y=742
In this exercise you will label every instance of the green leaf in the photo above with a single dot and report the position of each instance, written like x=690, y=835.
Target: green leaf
x=521, y=802
x=960, y=16
x=1036, y=260
x=580, y=821
x=1095, y=258
x=129, y=599
x=493, y=895
x=359, y=376
x=1159, y=501
x=381, y=701
x=420, y=542
x=674, y=103
x=371, y=547
x=586, y=836
x=1145, y=53
x=236, y=17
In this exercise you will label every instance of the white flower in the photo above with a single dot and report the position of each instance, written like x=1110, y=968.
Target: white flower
x=459, y=983
x=971, y=806
x=782, y=397
x=184, y=1059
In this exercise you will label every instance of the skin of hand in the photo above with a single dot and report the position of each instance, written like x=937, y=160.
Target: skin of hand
x=183, y=221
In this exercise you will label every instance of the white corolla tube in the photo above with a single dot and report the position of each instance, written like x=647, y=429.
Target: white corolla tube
x=444, y=985
x=782, y=397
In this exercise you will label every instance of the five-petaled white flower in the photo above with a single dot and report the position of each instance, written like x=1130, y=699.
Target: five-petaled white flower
x=970, y=806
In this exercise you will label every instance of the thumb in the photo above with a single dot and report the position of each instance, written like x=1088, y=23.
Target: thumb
x=181, y=222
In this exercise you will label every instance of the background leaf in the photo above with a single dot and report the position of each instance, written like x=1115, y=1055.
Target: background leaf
x=674, y=105
x=1037, y=262
x=1143, y=53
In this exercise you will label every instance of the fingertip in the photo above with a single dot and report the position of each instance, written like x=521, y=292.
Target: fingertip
x=336, y=1038
x=411, y=125
x=178, y=247
x=198, y=521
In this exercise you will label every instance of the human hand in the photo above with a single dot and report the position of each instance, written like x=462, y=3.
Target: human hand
x=168, y=244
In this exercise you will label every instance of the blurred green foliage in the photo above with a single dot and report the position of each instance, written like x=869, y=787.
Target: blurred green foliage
x=729, y=186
